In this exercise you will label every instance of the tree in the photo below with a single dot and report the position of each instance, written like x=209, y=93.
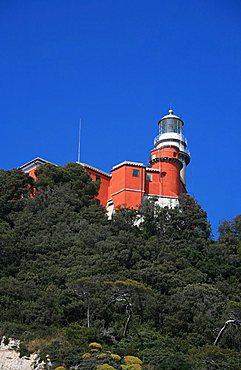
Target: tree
x=8, y=251
x=230, y=235
x=129, y=293
x=15, y=189
x=85, y=288
x=214, y=358
x=164, y=284
x=187, y=221
x=237, y=323
x=73, y=174
x=196, y=308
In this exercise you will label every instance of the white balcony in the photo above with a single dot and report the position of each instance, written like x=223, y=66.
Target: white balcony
x=169, y=136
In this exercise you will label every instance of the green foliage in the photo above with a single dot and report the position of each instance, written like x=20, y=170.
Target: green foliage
x=193, y=309
x=186, y=222
x=166, y=281
x=212, y=358
x=71, y=174
x=15, y=189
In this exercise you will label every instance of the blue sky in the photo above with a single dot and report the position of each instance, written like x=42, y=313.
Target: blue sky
x=119, y=65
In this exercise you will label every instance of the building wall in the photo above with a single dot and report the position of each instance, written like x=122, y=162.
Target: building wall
x=162, y=153
x=118, y=180
x=154, y=186
x=126, y=189
x=32, y=173
x=170, y=183
x=104, y=185
x=169, y=172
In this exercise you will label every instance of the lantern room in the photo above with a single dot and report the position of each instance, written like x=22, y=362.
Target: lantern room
x=170, y=123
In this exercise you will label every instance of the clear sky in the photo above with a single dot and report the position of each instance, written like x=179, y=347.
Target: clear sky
x=119, y=65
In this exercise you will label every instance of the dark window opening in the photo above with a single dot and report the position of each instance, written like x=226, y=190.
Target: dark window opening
x=148, y=177
x=135, y=173
x=163, y=174
x=97, y=178
x=174, y=154
x=153, y=199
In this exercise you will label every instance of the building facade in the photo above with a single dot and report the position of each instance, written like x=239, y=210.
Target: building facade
x=130, y=182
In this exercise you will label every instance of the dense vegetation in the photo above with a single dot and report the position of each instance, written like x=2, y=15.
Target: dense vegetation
x=159, y=289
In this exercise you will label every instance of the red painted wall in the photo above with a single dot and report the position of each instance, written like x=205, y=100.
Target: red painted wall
x=104, y=185
x=126, y=189
x=32, y=173
x=169, y=176
x=153, y=187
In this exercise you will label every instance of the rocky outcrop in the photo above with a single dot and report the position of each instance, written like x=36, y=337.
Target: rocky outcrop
x=9, y=356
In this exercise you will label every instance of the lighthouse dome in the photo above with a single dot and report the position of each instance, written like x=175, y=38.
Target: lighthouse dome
x=171, y=115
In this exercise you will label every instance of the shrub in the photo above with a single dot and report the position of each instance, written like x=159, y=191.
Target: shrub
x=36, y=344
x=115, y=357
x=103, y=354
x=132, y=360
x=95, y=345
x=105, y=367
x=131, y=367
x=87, y=355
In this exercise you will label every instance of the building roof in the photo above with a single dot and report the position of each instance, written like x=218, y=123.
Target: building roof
x=94, y=169
x=149, y=169
x=36, y=162
x=127, y=163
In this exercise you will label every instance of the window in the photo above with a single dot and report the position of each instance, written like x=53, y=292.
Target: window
x=174, y=154
x=135, y=173
x=163, y=174
x=97, y=178
x=148, y=177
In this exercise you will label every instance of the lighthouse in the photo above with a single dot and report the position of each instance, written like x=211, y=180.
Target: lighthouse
x=170, y=157
x=164, y=180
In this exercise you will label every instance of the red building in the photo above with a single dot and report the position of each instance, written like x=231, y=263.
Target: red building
x=130, y=182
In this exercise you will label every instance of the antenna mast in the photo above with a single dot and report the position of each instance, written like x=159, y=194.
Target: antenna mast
x=79, y=136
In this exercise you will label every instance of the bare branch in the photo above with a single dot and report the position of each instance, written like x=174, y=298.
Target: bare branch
x=221, y=331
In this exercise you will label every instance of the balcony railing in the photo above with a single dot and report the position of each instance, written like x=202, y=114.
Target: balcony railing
x=179, y=137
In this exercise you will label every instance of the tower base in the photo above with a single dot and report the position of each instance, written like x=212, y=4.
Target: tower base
x=162, y=201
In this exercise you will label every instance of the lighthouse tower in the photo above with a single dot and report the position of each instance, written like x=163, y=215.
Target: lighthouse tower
x=170, y=157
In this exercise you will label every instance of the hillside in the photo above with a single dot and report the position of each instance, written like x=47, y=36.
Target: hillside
x=160, y=291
